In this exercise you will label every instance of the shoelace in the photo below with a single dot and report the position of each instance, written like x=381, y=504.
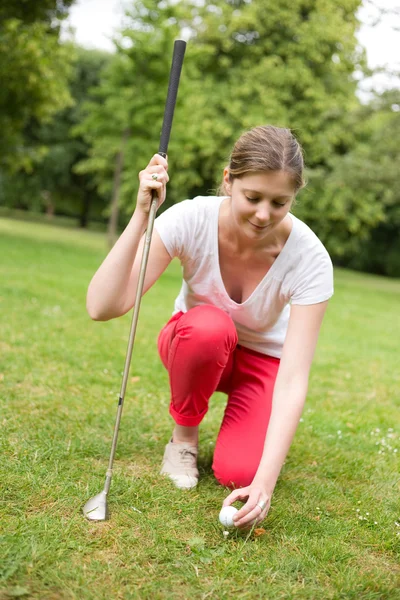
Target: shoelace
x=187, y=456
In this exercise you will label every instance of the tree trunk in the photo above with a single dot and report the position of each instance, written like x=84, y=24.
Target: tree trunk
x=119, y=163
x=49, y=206
x=84, y=216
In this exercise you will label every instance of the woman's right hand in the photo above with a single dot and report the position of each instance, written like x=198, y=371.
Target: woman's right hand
x=153, y=177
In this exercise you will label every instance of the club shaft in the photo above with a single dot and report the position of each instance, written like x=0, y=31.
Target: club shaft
x=176, y=67
x=132, y=334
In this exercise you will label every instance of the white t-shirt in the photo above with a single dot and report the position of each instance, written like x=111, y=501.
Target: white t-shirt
x=301, y=274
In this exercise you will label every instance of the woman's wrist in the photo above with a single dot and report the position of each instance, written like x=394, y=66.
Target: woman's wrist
x=140, y=218
x=265, y=484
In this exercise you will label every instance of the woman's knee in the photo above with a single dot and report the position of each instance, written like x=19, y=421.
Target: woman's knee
x=209, y=326
x=233, y=474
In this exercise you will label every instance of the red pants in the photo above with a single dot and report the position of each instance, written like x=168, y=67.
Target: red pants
x=200, y=351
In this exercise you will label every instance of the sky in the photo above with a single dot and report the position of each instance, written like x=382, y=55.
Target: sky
x=94, y=22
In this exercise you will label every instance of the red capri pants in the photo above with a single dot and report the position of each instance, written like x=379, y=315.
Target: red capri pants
x=200, y=351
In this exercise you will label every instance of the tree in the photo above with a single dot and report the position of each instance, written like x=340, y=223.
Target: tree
x=52, y=183
x=127, y=110
x=353, y=204
x=34, y=73
x=363, y=188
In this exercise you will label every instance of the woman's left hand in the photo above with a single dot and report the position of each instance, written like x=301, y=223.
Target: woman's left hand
x=255, y=509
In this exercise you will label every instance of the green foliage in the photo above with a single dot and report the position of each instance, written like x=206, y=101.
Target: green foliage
x=380, y=148
x=34, y=74
x=355, y=206
x=131, y=96
x=52, y=184
x=287, y=63
x=29, y=11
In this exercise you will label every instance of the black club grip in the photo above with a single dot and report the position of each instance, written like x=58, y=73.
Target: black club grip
x=174, y=76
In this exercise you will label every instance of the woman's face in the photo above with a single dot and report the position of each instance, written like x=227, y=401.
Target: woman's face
x=260, y=201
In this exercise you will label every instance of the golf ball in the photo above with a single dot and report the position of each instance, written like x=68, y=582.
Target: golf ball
x=226, y=515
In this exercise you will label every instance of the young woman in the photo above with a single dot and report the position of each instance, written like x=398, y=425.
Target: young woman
x=256, y=281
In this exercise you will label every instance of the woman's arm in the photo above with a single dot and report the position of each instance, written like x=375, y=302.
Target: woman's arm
x=112, y=290
x=287, y=405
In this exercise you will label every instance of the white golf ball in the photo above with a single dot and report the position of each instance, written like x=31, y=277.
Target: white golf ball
x=226, y=515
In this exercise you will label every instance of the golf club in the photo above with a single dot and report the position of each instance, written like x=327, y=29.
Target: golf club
x=96, y=508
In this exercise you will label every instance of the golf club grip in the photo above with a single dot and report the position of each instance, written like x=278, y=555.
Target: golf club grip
x=174, y=76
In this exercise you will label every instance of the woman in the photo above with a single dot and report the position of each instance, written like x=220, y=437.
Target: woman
x=256, y=281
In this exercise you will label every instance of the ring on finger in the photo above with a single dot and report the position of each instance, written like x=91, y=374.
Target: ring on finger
x=155, y=176
x=262, y=504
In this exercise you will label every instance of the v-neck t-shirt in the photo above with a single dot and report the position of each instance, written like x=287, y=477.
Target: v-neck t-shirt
x=302, y=273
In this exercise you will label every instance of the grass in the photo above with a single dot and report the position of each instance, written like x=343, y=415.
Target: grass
x=334, y=527
x=60, y=221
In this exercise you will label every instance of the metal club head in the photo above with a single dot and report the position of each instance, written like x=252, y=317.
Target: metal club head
x=95, y=508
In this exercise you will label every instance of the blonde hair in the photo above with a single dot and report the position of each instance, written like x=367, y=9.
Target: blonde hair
x=266, y=148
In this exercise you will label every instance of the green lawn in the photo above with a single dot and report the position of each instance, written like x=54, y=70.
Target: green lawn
x=334, y=527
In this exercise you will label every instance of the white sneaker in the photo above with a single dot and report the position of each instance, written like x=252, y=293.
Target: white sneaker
x=180, y=465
